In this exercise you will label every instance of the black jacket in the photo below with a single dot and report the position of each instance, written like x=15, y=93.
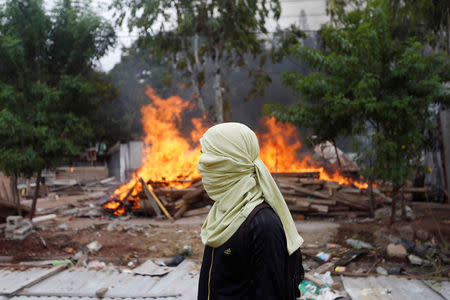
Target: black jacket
x=252, y=264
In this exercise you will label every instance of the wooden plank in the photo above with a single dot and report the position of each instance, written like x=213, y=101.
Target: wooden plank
x=349, y=203
x=298, y=208
x=296, y=174
x=161, y=206
x=180, y=212
x=150, y=198
x=317, y=201
x=311, y=193
x=192, y=196
x=296, y=201
x=319, y=208
x=196, y=212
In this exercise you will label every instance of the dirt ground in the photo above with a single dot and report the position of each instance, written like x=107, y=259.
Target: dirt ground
x=131, y=239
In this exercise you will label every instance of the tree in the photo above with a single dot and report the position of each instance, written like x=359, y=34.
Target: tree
x=47, y=89
x=191, y=35
x=365, y=82
x=132, y=76
x=427, y=20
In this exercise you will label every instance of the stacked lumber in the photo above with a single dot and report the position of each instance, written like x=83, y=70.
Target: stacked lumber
x=309, y=196
x=303, y=192
x=190, y=201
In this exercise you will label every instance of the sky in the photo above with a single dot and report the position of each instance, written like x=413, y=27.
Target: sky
x=308, y=14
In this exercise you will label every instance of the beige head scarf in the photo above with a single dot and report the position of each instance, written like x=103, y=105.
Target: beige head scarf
x=237, y=180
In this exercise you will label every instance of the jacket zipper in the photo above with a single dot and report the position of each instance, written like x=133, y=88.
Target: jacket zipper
x=209, y=277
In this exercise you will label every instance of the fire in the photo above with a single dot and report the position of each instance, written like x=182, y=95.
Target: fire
x=172, y=151
x=171, y=156
x=280, y=149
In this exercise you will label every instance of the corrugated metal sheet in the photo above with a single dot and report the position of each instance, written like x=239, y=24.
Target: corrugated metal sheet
x=388, y=287
x=11, y=279
x=81, y=283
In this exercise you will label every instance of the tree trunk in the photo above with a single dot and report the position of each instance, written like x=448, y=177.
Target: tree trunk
x=337, y=155
x=36, y=194
x=218, y=89
x=402, y=197
x=447, y=44
x=395, y=190
x=371, y=198
x=15, y=193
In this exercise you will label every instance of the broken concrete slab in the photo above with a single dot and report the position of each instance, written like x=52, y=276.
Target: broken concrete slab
x=151, y=269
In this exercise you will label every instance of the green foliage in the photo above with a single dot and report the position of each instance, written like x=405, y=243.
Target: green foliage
x=189, y=35
x=365, y=82
x=426, y=20
x=49, y=91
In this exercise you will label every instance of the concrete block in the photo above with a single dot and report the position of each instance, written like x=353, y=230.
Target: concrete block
x=13, y=222
x=9, y=233
x=22, y=232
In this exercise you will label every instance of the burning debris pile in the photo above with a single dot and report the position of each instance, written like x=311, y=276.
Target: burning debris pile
x=169, y=182
x=306, y=195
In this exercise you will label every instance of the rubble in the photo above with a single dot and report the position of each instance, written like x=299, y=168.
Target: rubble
x=17, y=228
x=396, y=250
x=415, y=260
x=94, y=247
x=380, y=270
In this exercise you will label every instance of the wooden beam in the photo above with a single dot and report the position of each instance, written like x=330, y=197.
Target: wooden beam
x=150, y=198
x=163, y=208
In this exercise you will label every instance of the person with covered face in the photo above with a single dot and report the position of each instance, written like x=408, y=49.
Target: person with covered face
x=252, y=247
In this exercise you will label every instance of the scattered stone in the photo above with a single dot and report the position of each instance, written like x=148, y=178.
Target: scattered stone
x=384, y=212
x=111, y=227
x=415, y=260
x=82, y=261
x=69, y=250
x=101, y=292
x=77, y=256
x=164, y=240
x=152, y=248
x=381, y=270
x=132, y=264
x=422, y=234
x=94, y=247
x=406, y=232
x=62, y=227
x=396, y=251
x=96, y=265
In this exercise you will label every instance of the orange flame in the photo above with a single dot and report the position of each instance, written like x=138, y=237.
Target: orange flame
x=171, y=154
x=280, y=150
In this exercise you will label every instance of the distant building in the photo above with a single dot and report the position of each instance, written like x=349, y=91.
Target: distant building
x=124, y=159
